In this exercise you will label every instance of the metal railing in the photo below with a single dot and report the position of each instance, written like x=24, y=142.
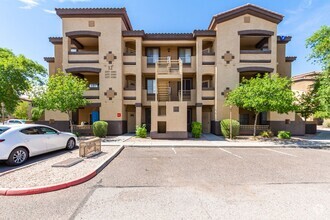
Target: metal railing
x=251, y=127
x=186, y=95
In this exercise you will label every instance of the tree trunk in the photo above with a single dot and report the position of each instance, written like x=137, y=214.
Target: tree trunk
x=255, y=125
x=70, y=121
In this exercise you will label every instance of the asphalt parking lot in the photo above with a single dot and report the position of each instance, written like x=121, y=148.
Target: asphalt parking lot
x=193, y=183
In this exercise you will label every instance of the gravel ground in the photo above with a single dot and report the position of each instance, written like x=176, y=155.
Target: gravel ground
x=43, y=174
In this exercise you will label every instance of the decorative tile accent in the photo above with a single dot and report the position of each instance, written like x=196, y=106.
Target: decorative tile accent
x=91, y=23
x=228, y=57
x=247, y=19
x=110, y=57
x=110, y=93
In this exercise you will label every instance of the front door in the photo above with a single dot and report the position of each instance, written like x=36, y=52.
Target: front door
x=148, y=118
x=131, y=122
x=189, y=119
x=206, y=122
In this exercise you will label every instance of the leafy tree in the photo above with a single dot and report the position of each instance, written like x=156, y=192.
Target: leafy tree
x=319, y=42
x=322, y=90
x=64, y=93
x=16, y=75
x=21, y=110
x=307, y=104
x=263, y=94
x=36, y=113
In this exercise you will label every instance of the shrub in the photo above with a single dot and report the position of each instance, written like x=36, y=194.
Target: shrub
x=36, y=114
x=141, y=131
x=76, y=133
x=100, y=128
x=267, y=134
x=196, y=129
x=326, y=124
x=284, y=134
x=225, y=128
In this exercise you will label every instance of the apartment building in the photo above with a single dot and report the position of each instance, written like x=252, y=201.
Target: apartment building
x=168, y=80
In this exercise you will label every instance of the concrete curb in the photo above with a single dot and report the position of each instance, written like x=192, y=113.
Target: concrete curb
x=55, y=187
x=223, y=146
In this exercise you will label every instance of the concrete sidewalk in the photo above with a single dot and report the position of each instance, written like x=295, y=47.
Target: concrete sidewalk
x=321, y=140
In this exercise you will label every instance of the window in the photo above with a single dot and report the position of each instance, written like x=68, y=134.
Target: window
x=185, y=55
x=152, y=55
x=151, y=86
x=44, y=130
x=187, y=84
x=206, y=84
x=30, y=131
x=244, y=119
x=3, y=129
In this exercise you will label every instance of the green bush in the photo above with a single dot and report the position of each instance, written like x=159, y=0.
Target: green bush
x=225, y=128
x=326, y=123
x=141, y=131
x=100, y=128
x=36, y=114
x=76, y=133
x=267, y=134
x=284, y=134
x=196, y=129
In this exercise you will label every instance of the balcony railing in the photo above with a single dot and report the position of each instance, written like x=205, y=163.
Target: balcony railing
x=83, y=57
x=186, y=95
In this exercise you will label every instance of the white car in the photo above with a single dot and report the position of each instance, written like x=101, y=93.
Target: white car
x=19, y=142
x=15, y=121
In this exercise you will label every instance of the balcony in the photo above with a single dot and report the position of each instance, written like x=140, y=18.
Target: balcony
x=167, y=68
x=129, y=63
x=255, y=56
x=188, y=95
x=189, y=67
x=129, y=59
x=208, y=59
x=92, y=95
x=208, y=96
x=83, y=57
x=147, y=98
x=129, y=97
x=147, y=67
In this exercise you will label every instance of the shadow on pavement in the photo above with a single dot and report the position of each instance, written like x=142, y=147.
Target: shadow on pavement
x=5, y=168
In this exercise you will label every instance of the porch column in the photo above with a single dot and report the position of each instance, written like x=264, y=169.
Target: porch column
x=199, y=112
x=138, y=114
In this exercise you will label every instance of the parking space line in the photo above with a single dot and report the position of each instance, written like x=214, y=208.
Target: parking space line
x=235, y=155
x=173, y=150
x=280, y=152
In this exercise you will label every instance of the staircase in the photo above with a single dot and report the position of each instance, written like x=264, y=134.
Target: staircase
x=163, y=91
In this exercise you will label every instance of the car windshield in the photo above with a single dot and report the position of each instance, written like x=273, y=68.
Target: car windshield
x=3, y=129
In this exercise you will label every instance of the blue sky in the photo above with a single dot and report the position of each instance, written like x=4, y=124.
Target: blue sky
x=27, y=24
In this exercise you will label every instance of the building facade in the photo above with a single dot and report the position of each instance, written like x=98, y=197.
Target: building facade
x=168, y=80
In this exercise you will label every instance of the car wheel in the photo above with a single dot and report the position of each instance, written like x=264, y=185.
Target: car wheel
x=18, y=156
x=70, y=144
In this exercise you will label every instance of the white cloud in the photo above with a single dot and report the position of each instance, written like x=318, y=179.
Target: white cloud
x=29, y=4
x=50, y=11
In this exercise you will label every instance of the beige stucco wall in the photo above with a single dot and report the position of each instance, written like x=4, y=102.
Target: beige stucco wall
x=229, y=40
x=171, y=117
x=110, y=40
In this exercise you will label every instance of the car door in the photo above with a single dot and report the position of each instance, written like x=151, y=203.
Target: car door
x=32, y=139
x=53, y=139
